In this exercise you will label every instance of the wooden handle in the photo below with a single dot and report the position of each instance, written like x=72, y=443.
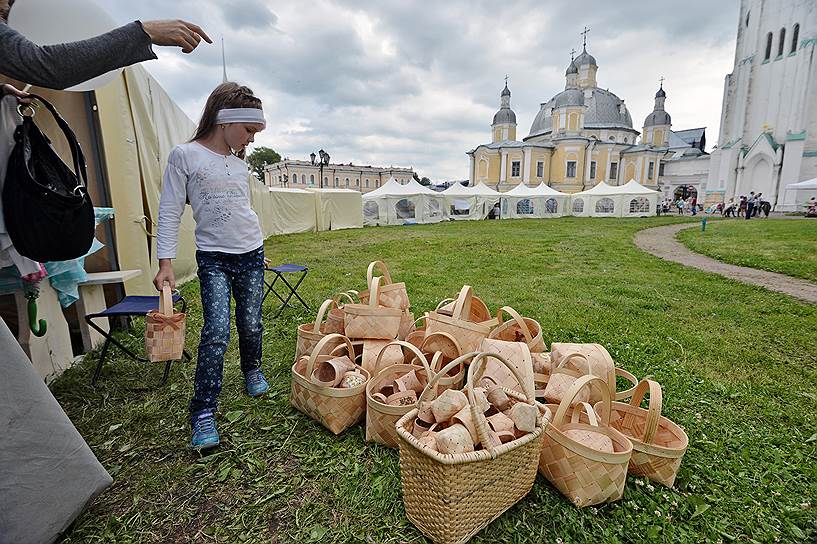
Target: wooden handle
x=653, y=411
x=578, y=385
x=591, y=414
x=383, y=268
x=166, y=301
x=517, y=318
x=572, y=355
x=627, y=393
x=462, y=308
x=321, y=314
x=441, y=334
x=374, y=292
x=348, y=295
x=313, y=358
x=418, y=355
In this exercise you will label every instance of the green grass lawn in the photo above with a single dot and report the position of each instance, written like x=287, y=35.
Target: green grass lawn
x=786, y=246
x=737, y=364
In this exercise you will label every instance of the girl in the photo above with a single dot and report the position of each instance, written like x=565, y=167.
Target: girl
x=209, y=172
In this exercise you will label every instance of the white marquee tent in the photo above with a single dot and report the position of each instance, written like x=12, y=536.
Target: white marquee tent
x=397, y=204
x=472, y=203
x=796, y=195
x=629, y=200
x=529, y=202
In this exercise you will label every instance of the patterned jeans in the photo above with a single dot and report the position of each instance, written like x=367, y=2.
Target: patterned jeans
x=218, y=274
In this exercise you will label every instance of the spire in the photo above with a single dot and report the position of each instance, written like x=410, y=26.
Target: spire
x=223, y=62
x=584, y=38
x=659, y=116
x=661, y=92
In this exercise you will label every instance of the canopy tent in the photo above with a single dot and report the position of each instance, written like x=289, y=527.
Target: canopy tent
x=472, y=202
x=397, y=204
x=629, y=200
x=797, y=195
x=283, y=211
x=338, y=209
x=533, y=202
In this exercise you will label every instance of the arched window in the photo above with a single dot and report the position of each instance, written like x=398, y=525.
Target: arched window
x=794, y=37
x=326, y=182
x=605, y=205
x=337, y=181
x=371, y=211
x=781, y=42
x=551, y=206
x=347, y=183
x=768, y=46
x=404, y=209
x=748, y=13
x=367, y=183
x=578, y=205
x=312, y=179
x=524, y=207
x=640, y=205
x=294, y=178
x=357, y=182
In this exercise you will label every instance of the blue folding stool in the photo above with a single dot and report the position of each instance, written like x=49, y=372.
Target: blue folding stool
x=131, y=306
x=279, y=272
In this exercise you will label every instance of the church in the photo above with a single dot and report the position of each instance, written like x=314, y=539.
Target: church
x=584, y=135
x=768, y=136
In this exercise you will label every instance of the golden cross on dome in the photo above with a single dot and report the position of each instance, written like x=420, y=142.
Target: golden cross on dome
x=584, y=34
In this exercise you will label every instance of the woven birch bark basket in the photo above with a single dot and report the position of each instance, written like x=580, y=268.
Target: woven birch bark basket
x=659, y=444
x=309, y=334
x=336, y=316
x=468, y=334
x=519, y=329
x=372, y=321
x=336, y=408
x=164, y=330
x=451, y=497
x=392, y=295
x=584, y=458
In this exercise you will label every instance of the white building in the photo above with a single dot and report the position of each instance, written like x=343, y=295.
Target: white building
x=768, y=136
x=303, y=174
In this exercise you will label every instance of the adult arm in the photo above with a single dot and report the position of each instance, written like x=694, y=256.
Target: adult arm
x=63, y=65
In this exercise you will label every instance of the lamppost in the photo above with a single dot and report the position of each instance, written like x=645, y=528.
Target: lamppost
x=286, y=180
x=323, y=160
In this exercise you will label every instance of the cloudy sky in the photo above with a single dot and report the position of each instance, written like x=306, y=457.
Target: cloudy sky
x=417, y=83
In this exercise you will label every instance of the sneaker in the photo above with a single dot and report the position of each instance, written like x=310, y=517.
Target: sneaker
x=256, y=383
x=205, y=434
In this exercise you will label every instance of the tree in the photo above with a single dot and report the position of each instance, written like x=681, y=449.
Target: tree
x=425, y=181
x=416, y=177
x=258, y=157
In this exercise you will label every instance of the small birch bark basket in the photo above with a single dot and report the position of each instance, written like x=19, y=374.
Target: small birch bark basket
x=164, y=330
x=467, y=333
x=391, y=295
x=519, y=329
x=372, y=321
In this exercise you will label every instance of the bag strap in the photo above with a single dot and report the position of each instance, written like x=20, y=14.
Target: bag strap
x=76, y=151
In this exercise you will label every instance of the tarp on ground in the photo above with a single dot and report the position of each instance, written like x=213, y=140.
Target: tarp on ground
x=338, y=209
x=398, y=204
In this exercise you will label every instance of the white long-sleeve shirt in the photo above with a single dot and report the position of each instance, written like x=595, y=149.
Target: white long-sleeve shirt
x=217, y=187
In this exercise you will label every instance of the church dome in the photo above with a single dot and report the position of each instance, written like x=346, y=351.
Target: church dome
x=658, y=117
x=661, y=93
x=572, y=69
x=506, y=91
x=568, y=97
x=585, y=58
x=604, y=110
x=504, y=115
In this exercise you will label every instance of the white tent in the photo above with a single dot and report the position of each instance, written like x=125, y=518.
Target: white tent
x=338, y=209
x=528, y=202
x=474, y=202
x=398, y=204
x=797, y=195
x=629, y=200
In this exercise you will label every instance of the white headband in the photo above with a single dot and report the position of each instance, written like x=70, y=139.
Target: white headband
x=241, y=115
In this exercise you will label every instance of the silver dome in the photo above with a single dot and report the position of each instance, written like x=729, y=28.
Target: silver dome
x=603, y=110
x=504, y=115
x=658, y=117
x=568, y=97
x=585, y=58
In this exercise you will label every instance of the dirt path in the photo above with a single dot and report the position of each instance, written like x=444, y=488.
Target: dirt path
x=661, y=242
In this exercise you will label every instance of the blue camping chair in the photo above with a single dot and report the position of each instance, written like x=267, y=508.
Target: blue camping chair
x=279, y=272
x=128, y=307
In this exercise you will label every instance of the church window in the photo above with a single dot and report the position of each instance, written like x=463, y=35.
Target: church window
x=326, y=181
x=781, y=42
x=592, y=169
x=650, y=170
x=794, y=36
x=377, y=183
x=357, y=183
x=768, y=46
x=347, y=183
x=540, y=169
x=748, y=13
x=571, y=169
x=294, y=178
x=661, y=169
x=367, y=183
x=613, y=170
x=312, y=179
x=515, y=169
x=336, y=182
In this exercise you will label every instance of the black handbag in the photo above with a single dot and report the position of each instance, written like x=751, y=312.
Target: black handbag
x=48, y=213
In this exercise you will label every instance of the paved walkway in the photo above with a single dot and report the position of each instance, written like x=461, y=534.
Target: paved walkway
x=661, y=242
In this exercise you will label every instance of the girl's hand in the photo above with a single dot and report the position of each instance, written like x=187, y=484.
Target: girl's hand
x=22, y=96
x=165, y=274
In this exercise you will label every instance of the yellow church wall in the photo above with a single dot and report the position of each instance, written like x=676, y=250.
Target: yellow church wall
x=573, y=121
x=600, y=156
x=493, y=167
x=512, y=133
x=515, y=156
x=629, y=169
x=658, y=137
x=544, y=157
x=558, y=165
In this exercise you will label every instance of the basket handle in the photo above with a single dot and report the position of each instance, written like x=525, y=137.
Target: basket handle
x=321, y=314
x=374, y=292
x=570, y=396
x=572, y=355
x=480, y=362
x=611, y=372
x=418, y=354
x=313, y=358
x=444, y=301
x=349, y=295
x=463, y=305
x=383, y=268
x=627, y=393
x=653, y=411
x=421, y=318
x=517, y=318
x=166, y=300
x=443, y=335
x=432, y=383
x=591, y=414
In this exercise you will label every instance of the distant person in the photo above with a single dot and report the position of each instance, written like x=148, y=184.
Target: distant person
x=750, y=205
x=694, y=205
x=742, y=206
x=680, y=205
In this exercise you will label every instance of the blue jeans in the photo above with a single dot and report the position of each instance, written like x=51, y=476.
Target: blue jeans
x=219, y=273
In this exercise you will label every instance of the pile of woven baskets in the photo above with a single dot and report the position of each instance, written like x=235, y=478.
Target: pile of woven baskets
x=456, y=390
